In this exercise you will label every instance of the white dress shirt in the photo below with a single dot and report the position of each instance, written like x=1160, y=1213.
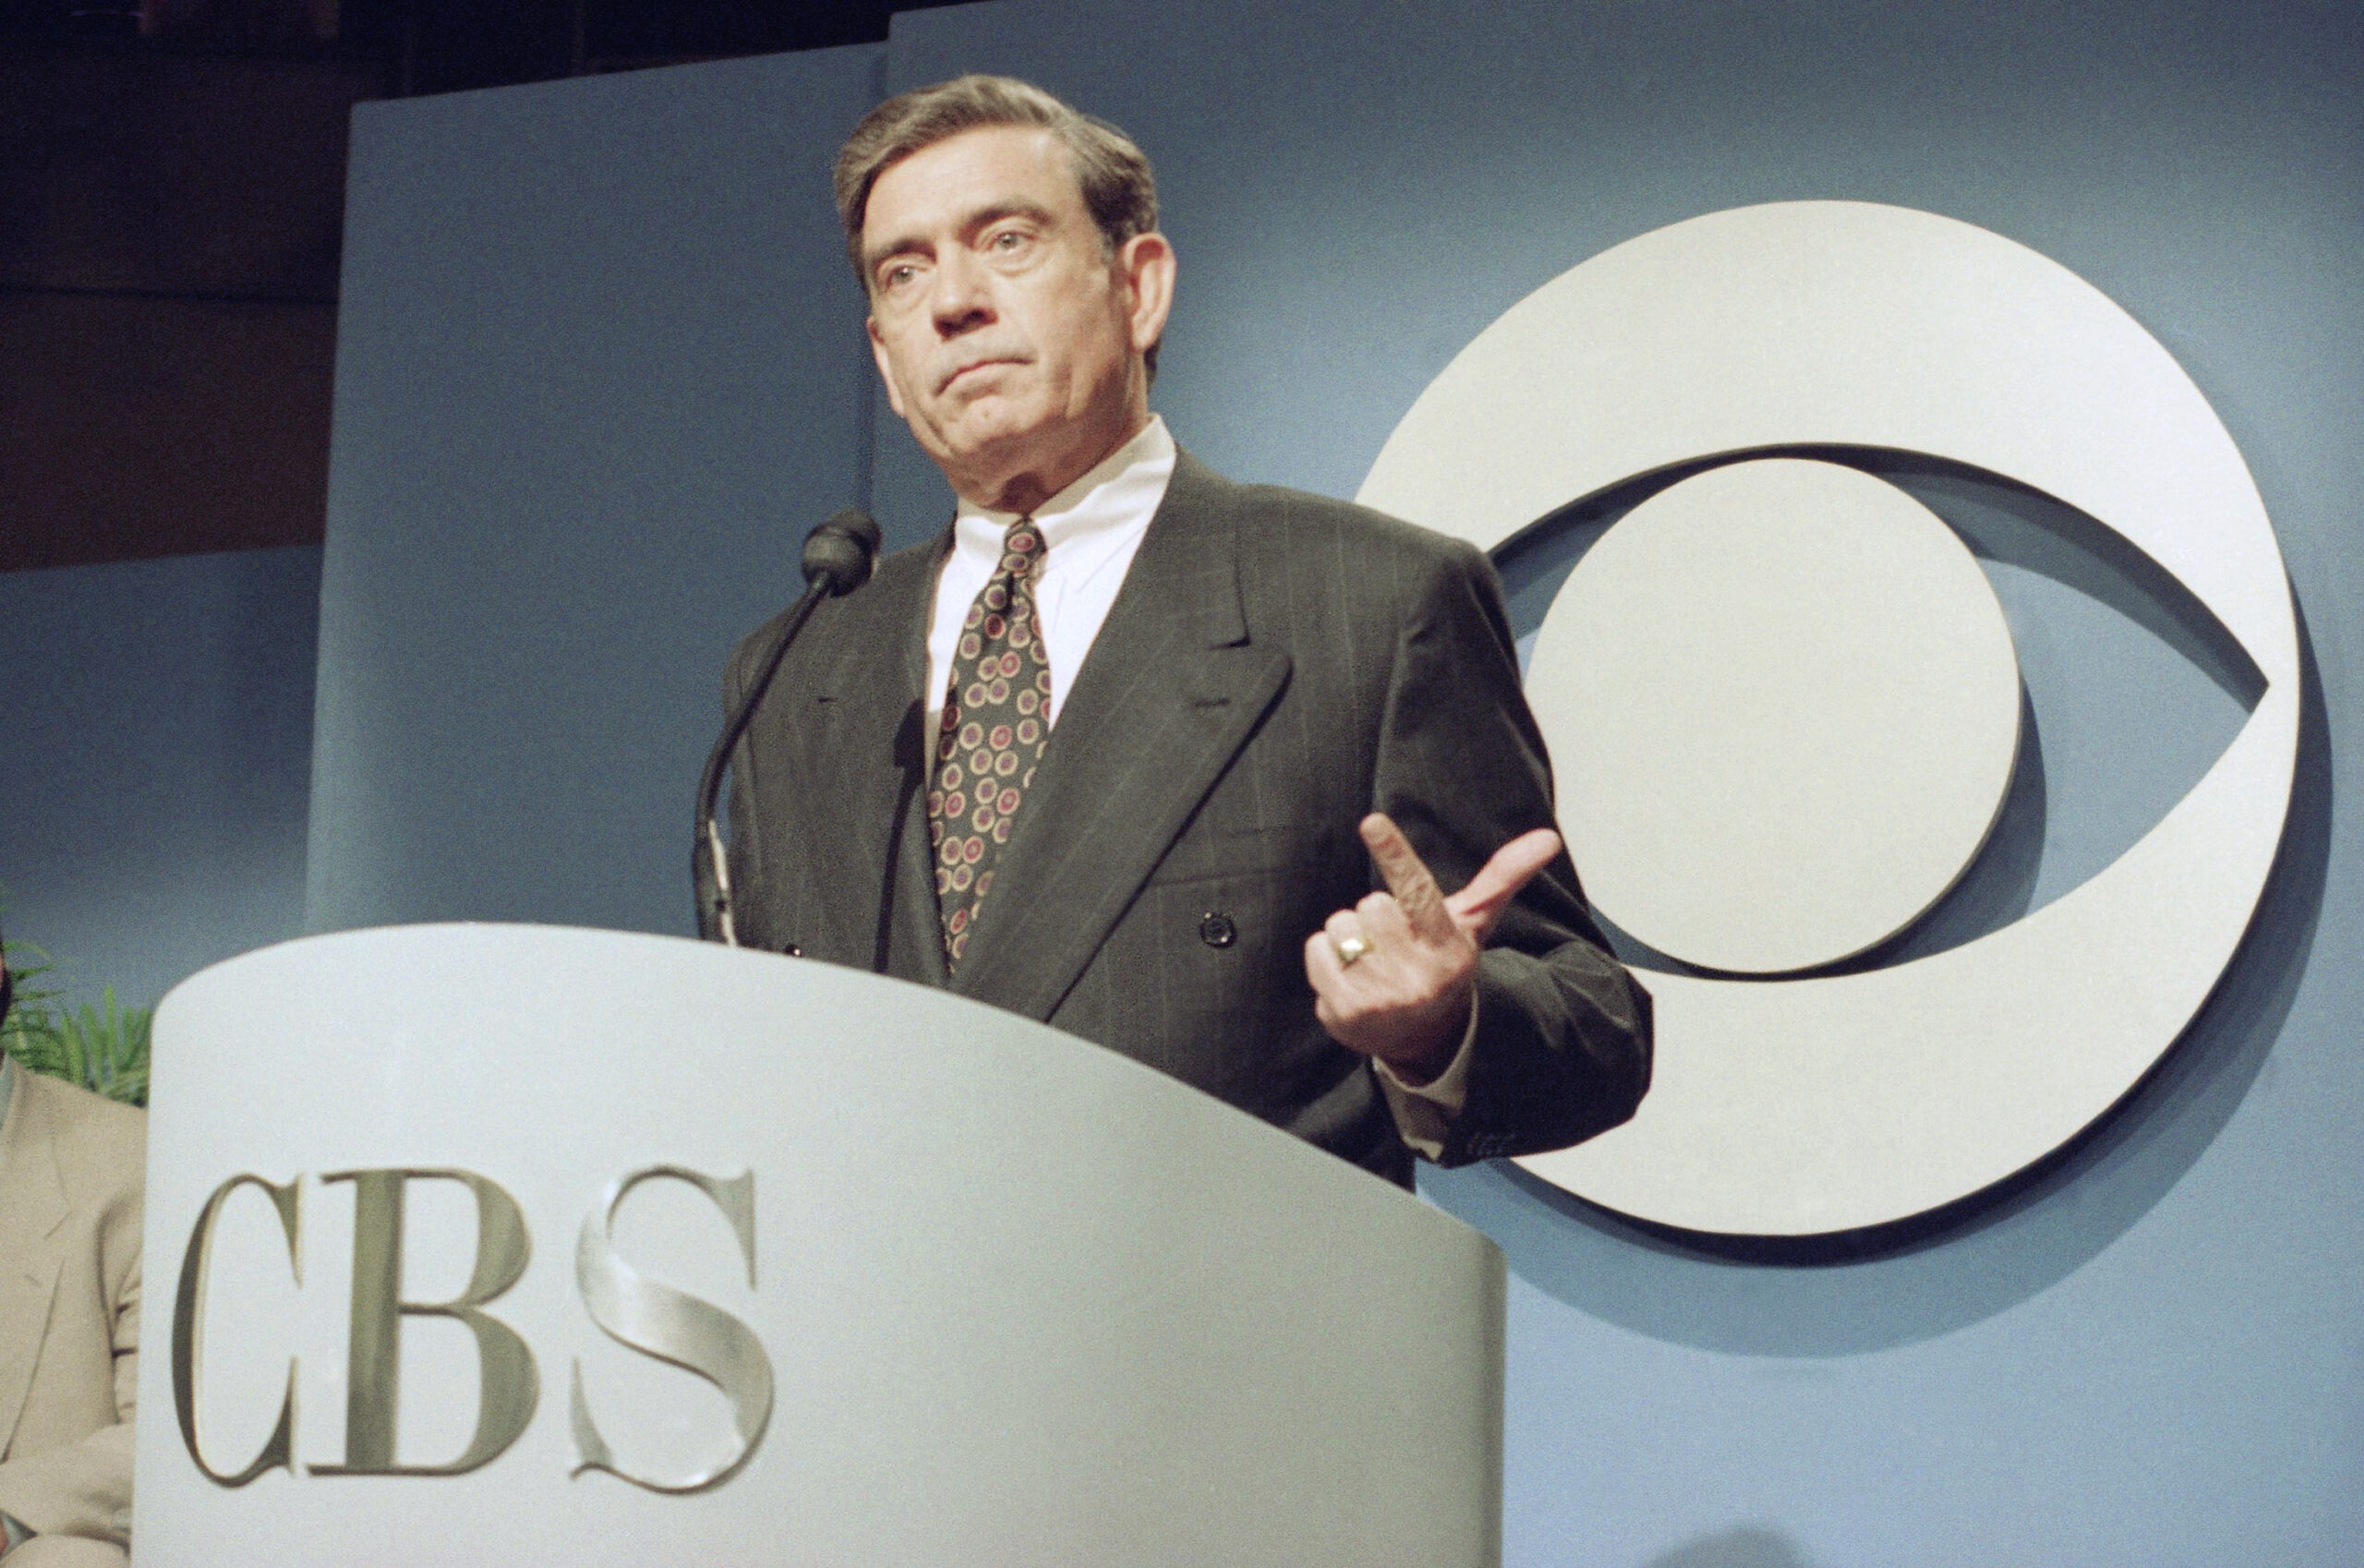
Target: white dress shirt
x=1091, y=532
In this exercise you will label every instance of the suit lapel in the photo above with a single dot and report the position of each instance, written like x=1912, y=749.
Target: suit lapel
x=881, y=715
x=1172, y=688
x=32, y=1206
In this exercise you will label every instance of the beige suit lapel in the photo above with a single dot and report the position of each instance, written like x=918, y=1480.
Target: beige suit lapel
x=33, y=1207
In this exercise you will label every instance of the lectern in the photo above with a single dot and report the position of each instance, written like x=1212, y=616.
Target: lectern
x=517, y=1244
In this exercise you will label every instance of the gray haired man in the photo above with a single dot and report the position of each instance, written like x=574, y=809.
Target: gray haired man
x=1232, y=779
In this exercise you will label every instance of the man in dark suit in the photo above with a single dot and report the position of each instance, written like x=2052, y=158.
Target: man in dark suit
x=1122, y=751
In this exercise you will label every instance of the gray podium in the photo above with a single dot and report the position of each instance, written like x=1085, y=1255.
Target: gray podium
x=515, y=1245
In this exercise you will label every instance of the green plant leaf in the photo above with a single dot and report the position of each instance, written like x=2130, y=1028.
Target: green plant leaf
x=103, y=1048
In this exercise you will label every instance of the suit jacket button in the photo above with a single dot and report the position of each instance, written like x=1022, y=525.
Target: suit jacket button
x=1217, y=931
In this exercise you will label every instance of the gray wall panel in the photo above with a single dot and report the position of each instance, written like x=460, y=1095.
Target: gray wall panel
x=598, y=371
x=157, y=723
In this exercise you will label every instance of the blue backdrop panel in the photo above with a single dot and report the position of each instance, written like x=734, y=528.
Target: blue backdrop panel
x=156, y=722
x=2151, y=1354
x=601, y=364
x=599, y=368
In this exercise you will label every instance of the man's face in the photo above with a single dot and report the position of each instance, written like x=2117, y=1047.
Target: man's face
x=1009, y=339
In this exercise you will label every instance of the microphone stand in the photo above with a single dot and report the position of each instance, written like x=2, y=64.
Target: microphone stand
x=838, y=556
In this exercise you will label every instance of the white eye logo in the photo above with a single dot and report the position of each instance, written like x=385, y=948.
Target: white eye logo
x=1745, y=790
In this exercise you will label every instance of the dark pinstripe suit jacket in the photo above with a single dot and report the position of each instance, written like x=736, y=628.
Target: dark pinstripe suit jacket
x=1275, y=666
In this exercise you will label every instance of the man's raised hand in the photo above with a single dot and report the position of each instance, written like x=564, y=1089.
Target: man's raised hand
x=1394, y=977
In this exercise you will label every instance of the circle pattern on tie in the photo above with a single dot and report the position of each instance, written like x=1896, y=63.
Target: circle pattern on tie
x=996, y=703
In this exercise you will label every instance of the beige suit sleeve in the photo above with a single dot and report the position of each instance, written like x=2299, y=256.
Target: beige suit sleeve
x=68, y=1551
x=76, y=1489
x=81, y=1488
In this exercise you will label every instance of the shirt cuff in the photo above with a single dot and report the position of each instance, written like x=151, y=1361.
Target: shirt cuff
x=1424, y=1113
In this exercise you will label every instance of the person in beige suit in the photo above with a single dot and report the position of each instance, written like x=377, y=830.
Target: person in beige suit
x=73, y=1170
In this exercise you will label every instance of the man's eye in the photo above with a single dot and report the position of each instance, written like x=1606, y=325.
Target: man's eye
x=1007, y=241
x=898, y=276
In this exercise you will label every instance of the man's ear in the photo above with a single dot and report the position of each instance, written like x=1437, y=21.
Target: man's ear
x=878, y=355
x=1145, y=262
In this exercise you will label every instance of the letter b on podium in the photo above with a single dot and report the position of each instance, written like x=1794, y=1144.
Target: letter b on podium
x=509, y=1387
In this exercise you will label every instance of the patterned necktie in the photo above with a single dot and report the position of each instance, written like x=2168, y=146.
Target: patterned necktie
x=996, y=717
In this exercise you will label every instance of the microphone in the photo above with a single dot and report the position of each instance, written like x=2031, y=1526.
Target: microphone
x=842, y=550
x=838, y=556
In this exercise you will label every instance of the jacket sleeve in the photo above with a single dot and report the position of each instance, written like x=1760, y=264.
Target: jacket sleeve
x=1563, y=1044
x=83, y=1488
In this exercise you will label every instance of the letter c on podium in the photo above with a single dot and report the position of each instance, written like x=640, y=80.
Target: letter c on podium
x=188, y=1330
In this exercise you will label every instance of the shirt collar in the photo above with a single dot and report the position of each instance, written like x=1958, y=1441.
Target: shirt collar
x=1122, y=488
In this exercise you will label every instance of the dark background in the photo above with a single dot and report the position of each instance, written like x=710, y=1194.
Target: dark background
x=172, y=193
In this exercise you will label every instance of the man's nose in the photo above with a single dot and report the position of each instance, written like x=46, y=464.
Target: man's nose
x=963, y=296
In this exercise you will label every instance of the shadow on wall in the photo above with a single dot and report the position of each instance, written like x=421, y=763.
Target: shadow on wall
x=1975, y=1259
x=1744, y=1547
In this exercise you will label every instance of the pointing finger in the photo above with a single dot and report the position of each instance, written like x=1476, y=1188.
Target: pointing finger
x=1479, y=905
x=1407, y=877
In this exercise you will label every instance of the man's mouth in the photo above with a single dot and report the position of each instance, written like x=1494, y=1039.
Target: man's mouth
x=973, y=364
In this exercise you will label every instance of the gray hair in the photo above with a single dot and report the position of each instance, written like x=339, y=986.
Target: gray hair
x=1113, y=173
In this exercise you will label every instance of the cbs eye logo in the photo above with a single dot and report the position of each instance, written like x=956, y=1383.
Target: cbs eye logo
x=1784, y=709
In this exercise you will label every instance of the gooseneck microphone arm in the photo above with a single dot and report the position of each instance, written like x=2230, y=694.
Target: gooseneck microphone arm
x=838, y=559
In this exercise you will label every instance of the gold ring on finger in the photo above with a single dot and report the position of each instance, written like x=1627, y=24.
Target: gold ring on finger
x=1350, y=948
